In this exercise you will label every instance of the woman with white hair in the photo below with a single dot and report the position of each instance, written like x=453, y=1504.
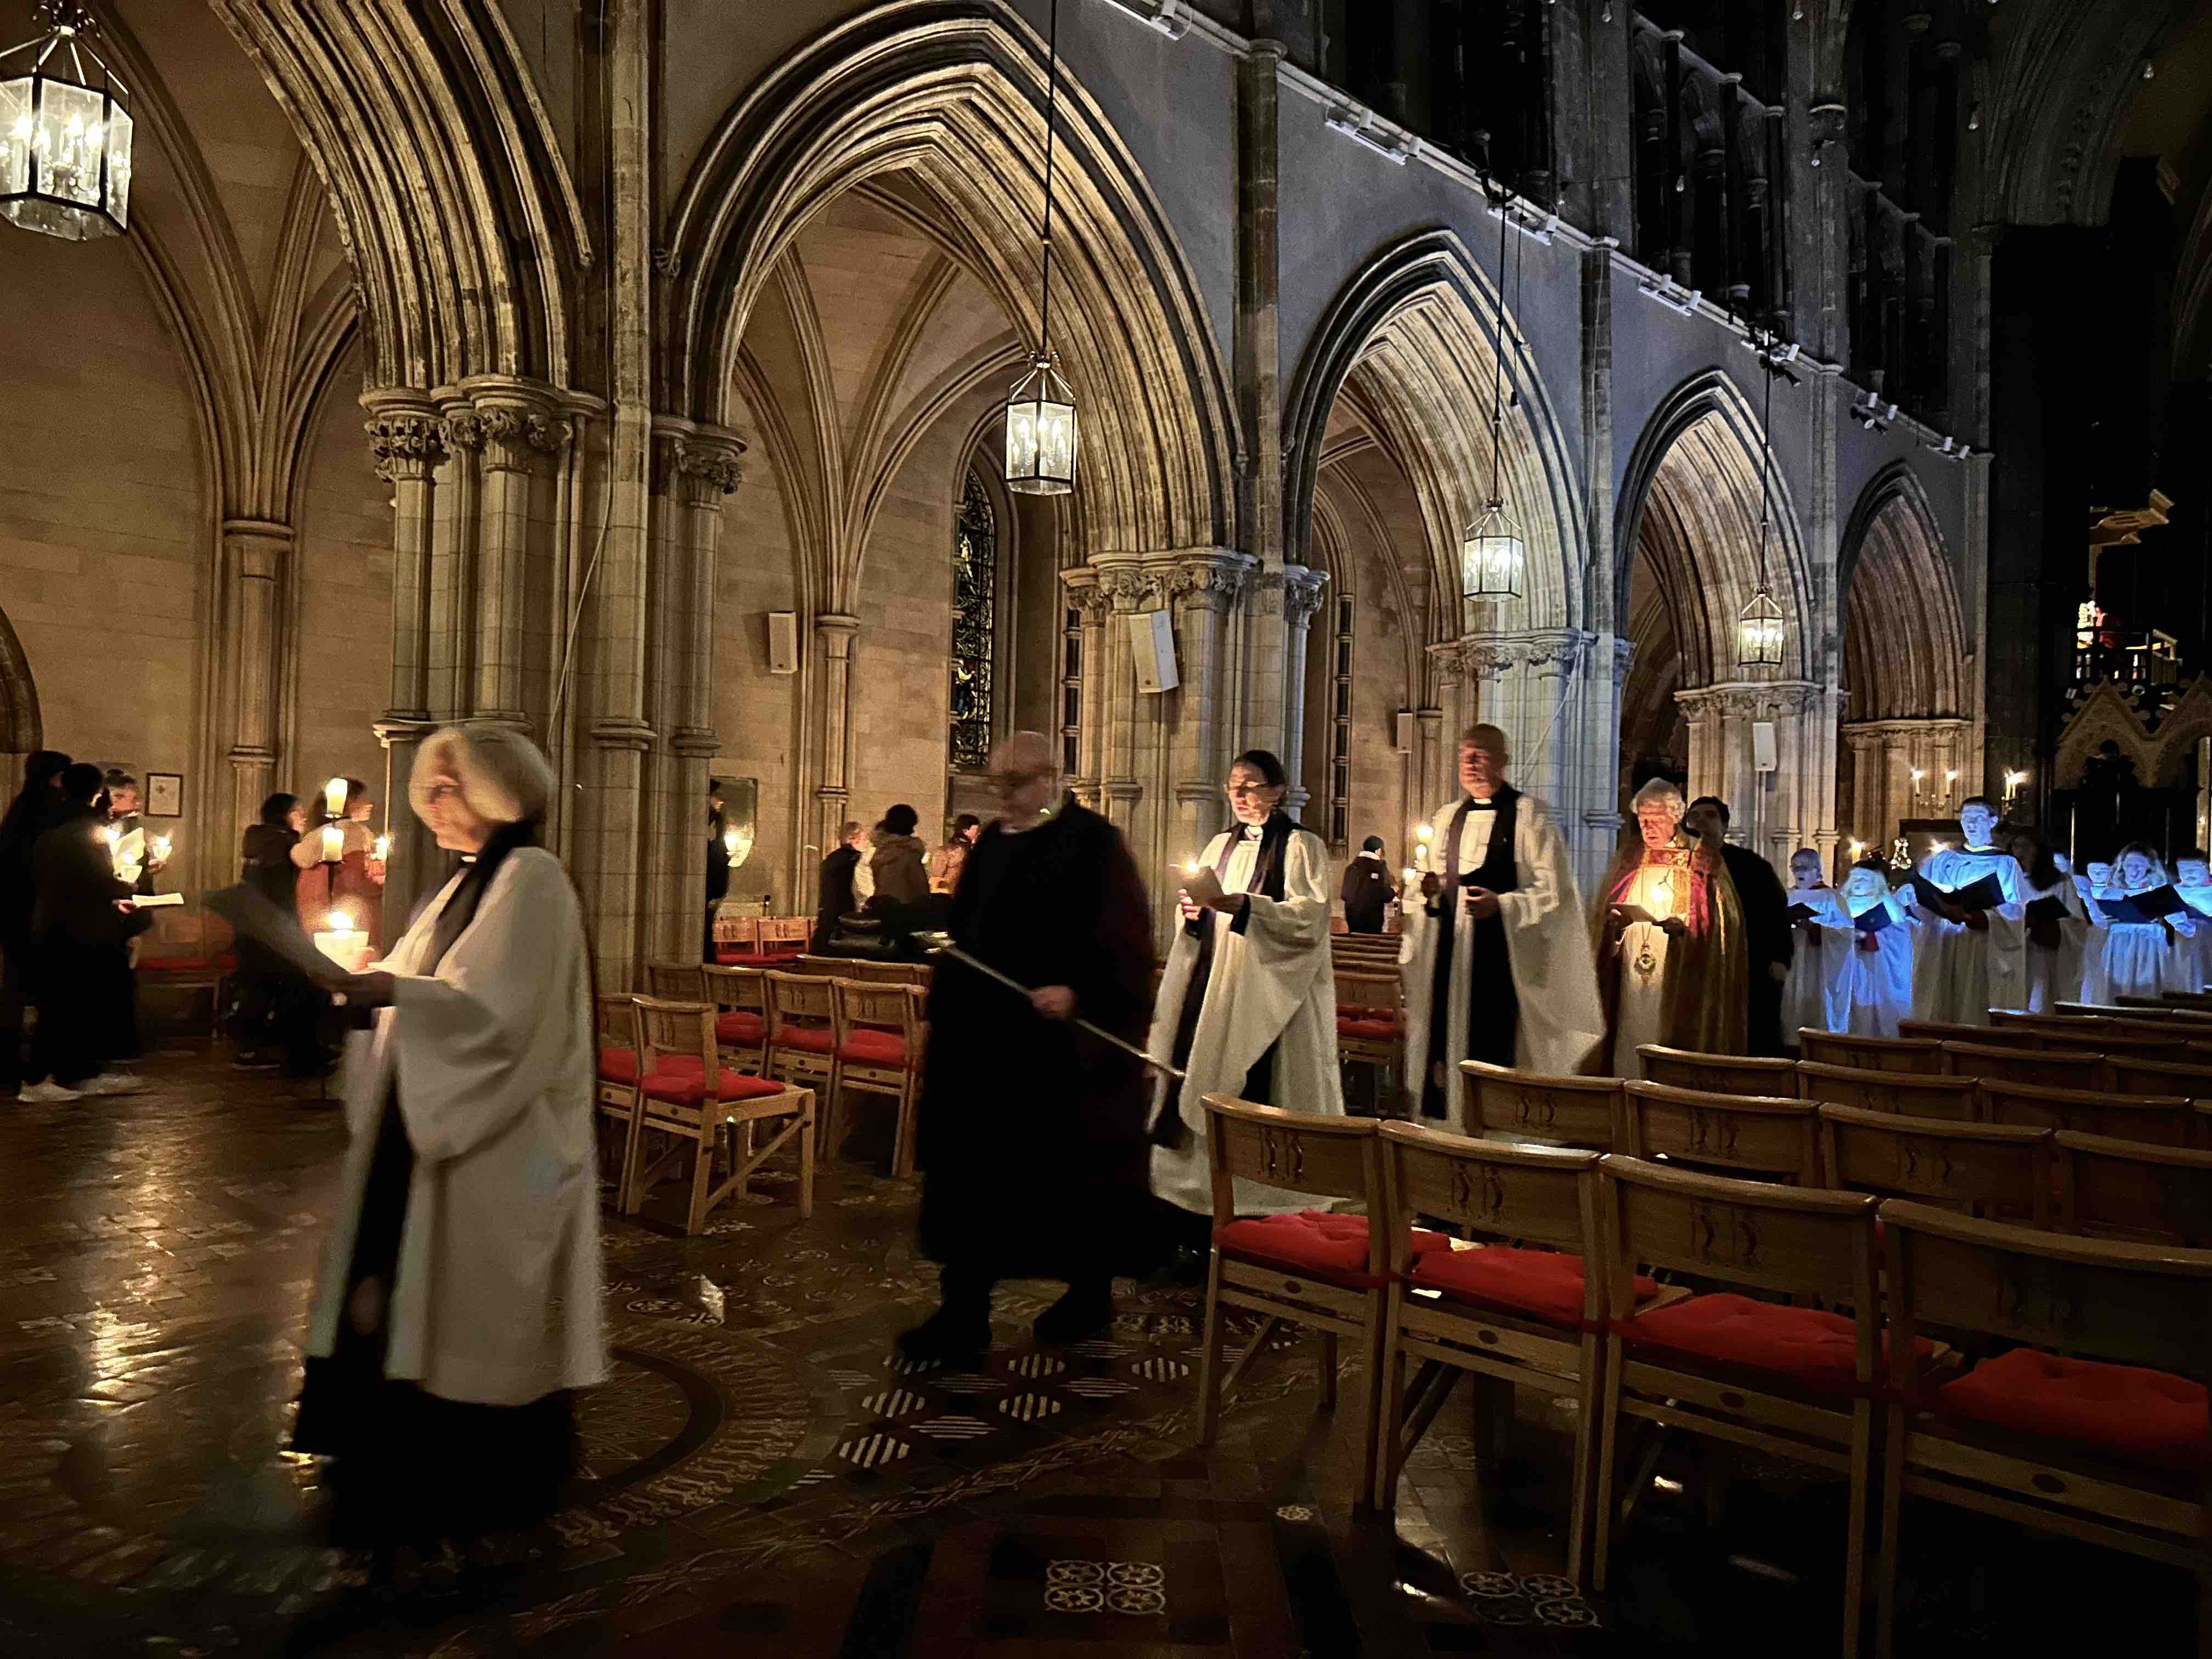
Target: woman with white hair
x=459, y=1303
x=1671, y=962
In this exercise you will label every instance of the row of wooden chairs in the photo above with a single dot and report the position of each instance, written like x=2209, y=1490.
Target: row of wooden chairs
x=2075, y=1068
x=664, y=1077
x=755, y=940
x=867, y=972
x=1813, y=1333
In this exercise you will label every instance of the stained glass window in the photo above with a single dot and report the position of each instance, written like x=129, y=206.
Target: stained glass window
x=974, y=627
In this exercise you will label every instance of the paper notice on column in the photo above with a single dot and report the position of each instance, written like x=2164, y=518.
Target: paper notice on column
x=277, y=930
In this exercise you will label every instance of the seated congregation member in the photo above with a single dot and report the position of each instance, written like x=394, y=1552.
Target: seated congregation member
x=1496, y=959
x=458, y=1303
x=1971, y=955
x=1030, y=1130
x=2192, y=880
x=1247, y=1005
x=79, y=922
x=355, y=882
x=1882, y=937
x=2150, y=931
x=2056, y=923
x=1368, y=889
x=1817, y=996
x=1768, y=940
x=1672, y=960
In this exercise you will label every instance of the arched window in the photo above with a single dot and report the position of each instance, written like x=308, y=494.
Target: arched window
x=975, y=628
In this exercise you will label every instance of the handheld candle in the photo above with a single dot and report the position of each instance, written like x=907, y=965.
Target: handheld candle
x=334, y=798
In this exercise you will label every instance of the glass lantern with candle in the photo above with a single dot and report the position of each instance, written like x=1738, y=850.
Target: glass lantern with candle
x=65, y=135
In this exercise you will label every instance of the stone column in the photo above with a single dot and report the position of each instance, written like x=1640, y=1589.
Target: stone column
x=1204, y=586
x=514, y=431
x=1428, y=741
x=257, y=554
x=1129, y=589
x=1867, y=823
x=834, y=633
x=407, y=440
x=1303, y=590
x=1258, y=374
x=1086, y=598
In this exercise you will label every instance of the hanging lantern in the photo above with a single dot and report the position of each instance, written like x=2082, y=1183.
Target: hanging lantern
x=1759, y=632
x=64, y=136
x=1492, y=556
x=1041, y=432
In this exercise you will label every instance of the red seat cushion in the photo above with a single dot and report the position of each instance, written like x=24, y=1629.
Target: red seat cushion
x=743, y=1027
x=1808, y=1345
x=1374, y=1030
x=679, y=1083
x=619, y=1065
x=175, y=965
x=2144, y=1416
x=808, y=1039
x=1546, y=1284
x=730, y=955
x=1330, y=1247
x=865, y=1046
x=782, y=956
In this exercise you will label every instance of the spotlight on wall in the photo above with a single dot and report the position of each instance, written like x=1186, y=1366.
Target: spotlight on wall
x=1169, y=17
x=1873, y=414
x=1950, y=449
x=2150, y=70
x=1974, y=117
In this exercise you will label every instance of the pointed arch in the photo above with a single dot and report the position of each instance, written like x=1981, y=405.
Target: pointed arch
x=22, y=730
x=1904, y=636
x=951, y=94
x=1422, y=328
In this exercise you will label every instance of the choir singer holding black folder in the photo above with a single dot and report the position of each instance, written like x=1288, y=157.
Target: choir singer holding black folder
x=1972, y=948
x=2148, y=929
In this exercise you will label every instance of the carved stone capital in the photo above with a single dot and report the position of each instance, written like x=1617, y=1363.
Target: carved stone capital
x=514, y=439
x=1132, y=589
x=1085, y=595
x=1746, y=701
x=1624, y=658
x=699, y=470
x=1217, y=581
x=405, y=445
x=1302, y=594
x=462, y=432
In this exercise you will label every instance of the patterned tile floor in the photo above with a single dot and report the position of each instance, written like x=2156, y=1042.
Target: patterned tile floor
x=763, y=1467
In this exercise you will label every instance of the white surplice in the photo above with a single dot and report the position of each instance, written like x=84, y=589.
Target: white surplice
x=1961, y=973
x=1547, y=946
x=1270, y=985
x=2057, y=975
x=1817, y=995
x=497, y=1299
x=1881, y=978
x=1640, y=1007
x=2147, y=958
x=2199, y=899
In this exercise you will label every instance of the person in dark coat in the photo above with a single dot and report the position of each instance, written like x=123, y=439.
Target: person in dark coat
x=79, y=918
x=1031, y=1131
x=37, y=806
x=1769, y=939
x=718, y=863
x=835, y=898
x=1368, y=889
x=278, y=1012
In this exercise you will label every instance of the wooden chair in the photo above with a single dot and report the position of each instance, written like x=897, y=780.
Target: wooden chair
x=1716, y=1074
x=2125, y=1189
x=1795, y=1380
x=1937, y=1031
x=677, y=981
x=1976, y=1167
x=1870, y=1054
x=1742, y=1135
x=1370, y=1023
x=2188, y=1077
x=786, y=936
x=1325, y=1273
x=881, y=1038
x=1521, y=1311
x=1503, y=1104
x=2040, y=1066
x=615, y=1096
x=2077, y=1445
x=736, y=937
x=2155, y=1119
x=801, y=1047
x=741, y=1026
x=1911, y=1094
x=687, y=1094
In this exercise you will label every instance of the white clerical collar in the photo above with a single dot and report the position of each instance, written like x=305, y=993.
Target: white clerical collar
x=1253, y=831
x=1480, y=805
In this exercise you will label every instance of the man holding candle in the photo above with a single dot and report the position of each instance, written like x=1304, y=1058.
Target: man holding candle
x=1496, y=965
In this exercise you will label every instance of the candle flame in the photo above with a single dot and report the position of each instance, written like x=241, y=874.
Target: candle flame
x=340, y=921
x=1408, y=872
x=383, y=847
x=1190, y=866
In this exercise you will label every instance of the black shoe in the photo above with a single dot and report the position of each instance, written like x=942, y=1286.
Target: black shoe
x=1186, y=1268
x=1076, y=1317
x=946, y=1336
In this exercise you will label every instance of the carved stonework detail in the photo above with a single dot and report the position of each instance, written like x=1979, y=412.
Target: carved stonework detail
x=1085, y=596
x=514, y=438
x=1756, y=702
x=1624, y=658
x=462, y=431
x=1210, y=584
x=1301, y=594
x=667, y=262
x=406, y=445
x=1549, y=652
x=698, y=471
x=1132, y=589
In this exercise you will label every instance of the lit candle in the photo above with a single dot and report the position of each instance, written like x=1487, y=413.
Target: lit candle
x=162, y=845
x=1410, y=874
x=729, y=843
x=342, y=942
x=334, y=798
x=1191, y=866
x=383, y=848
x=333, y=844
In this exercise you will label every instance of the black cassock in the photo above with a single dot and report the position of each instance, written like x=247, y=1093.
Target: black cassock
x=1031, y=1133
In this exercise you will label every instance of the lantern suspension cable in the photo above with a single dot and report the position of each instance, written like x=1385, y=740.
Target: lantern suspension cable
x=1760, y=626
x=1041, y=424
x=1492, y=557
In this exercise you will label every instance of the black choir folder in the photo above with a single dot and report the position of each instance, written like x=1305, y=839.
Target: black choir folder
x=1986, y=894
x=2156, y=905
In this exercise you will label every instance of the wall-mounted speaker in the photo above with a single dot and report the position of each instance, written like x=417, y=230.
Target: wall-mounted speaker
x=783, y=642
x=1404, y=741
x=1762, y=747
x=1152, y=637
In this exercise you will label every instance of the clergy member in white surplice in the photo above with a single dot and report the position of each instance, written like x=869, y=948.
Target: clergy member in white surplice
x=1817, y=995
x=1496, y=958
x=1882, y=940
x=1248, y=1003
x=1973, y=949
x=2192, y=880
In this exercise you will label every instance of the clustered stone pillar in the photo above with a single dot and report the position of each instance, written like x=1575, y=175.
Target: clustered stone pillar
x=835, y=633
x=1302, y=596
x=1089, y=601
x=1772, y=821
x=257, y=556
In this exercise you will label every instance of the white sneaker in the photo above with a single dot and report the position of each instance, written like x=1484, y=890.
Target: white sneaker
x=108, y=1083
x=46, y=1094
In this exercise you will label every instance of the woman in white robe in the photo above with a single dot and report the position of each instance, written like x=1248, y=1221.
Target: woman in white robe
x=1246, y=1005
x=2145, y=959
x=459, y=1298
x=2095, y=878
x=2055, y=937
x=1817, y=995
x=1881, y=952
x=2192, y=880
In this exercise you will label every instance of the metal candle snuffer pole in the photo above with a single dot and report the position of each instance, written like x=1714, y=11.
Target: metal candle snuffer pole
x=941, y=945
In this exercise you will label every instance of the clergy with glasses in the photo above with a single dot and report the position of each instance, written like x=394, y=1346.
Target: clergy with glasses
x=1247, y=1004
x=1496, y=960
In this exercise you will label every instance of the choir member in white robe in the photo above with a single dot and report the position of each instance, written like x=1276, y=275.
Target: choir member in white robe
x=2057, y=925
x=1883, y=936
x=2150, y=958
x=1496, y=964
x=1817, y=995
x=2192, y=880
x=1246, y=1005
x=2091, y=880
x=1970, y=961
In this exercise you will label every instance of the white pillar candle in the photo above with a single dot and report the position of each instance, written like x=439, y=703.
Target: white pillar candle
x=334, y=796
x=333, y=843
x=342, y=942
